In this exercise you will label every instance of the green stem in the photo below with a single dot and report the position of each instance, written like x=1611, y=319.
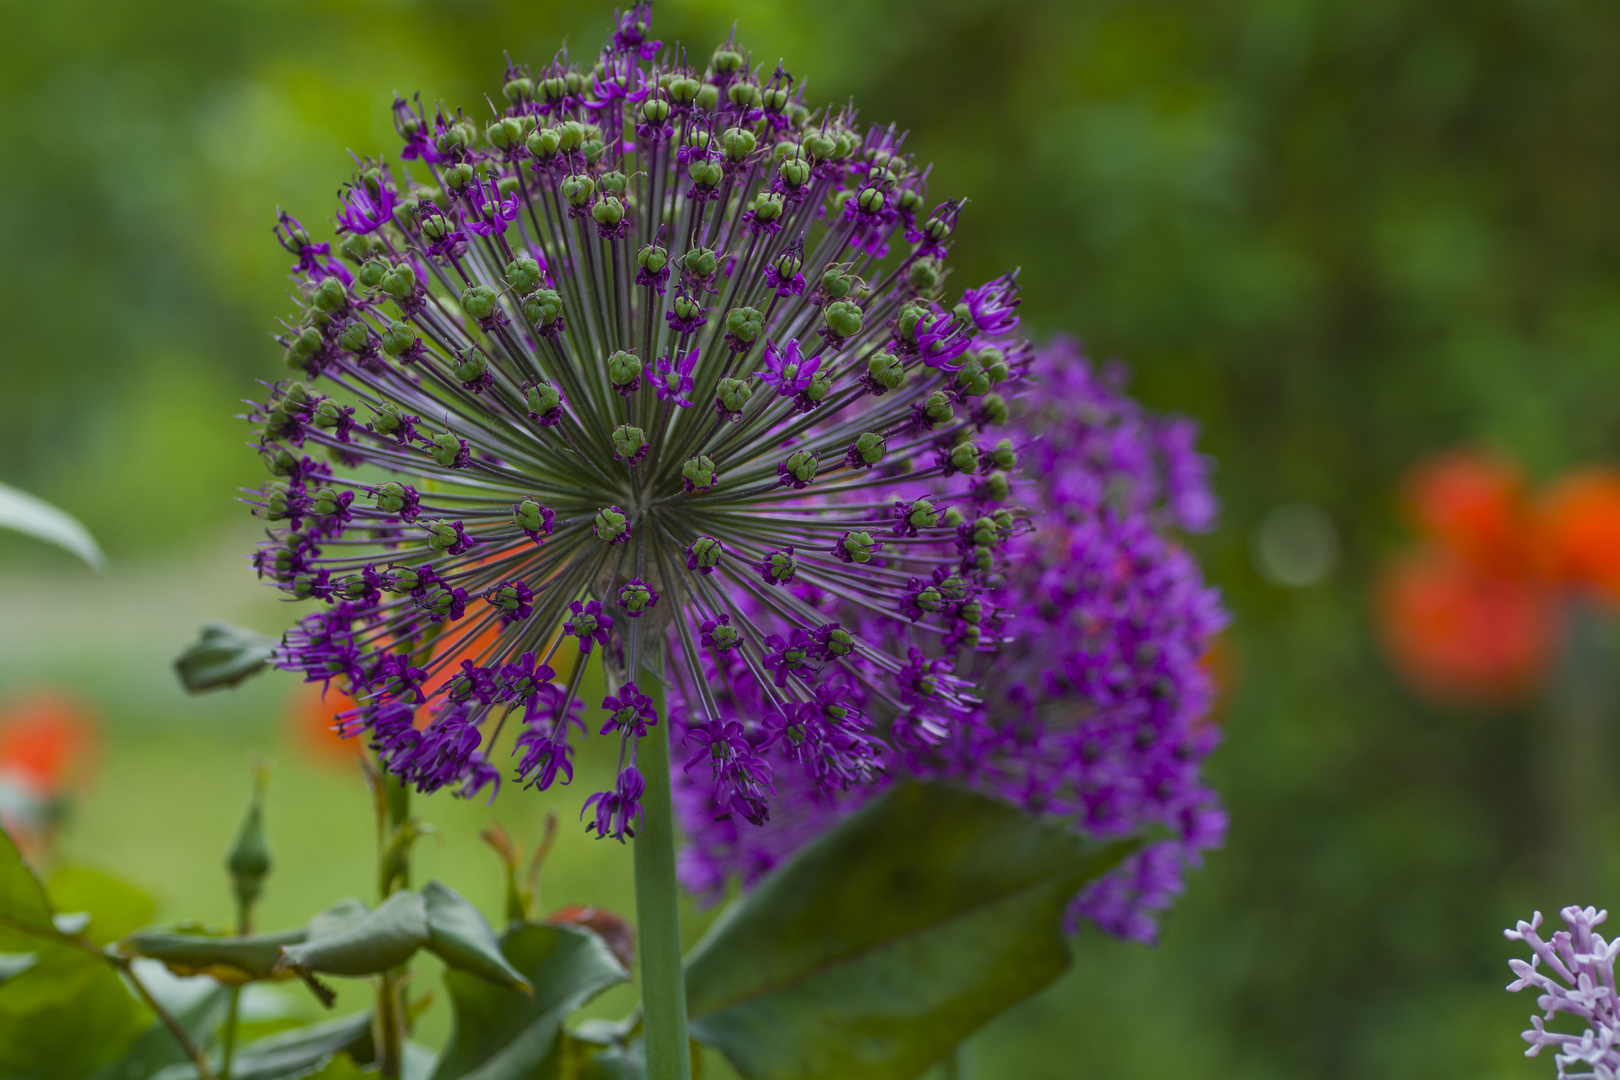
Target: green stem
x=658, y=917
x=959, y=1063
x=230, y=1034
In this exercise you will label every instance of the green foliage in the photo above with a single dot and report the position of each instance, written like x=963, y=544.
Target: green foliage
x=381, y=940
x=891, y=938
x=155, y=1049
x=195, y=951
x=294, y=1053
x=223, y=655
x=459, y=935
x=500, y=1034
x=22, y=512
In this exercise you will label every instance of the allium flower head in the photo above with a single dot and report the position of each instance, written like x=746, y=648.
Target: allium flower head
x=657, y=358
x=1087, y=649
x=1574, y=974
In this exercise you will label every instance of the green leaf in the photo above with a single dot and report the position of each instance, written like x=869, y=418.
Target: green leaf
x=115, y=907
x=383, y=939
x=458, y=935
x=13, y=964
x=500, y=1034
x=889, y=939
x=45, y=1010
x=24, y=513
x=337, y=918
x=155, y=1049
x=232, y=960
x=222, y=655
x=295, y=1053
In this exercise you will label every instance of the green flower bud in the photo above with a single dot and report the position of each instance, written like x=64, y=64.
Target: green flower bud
x=249, y=859
x=390, y=497
x=330, y=295
x=523, y=274
x=543, y=398
x=652, y=259
x=780, y=567
x=767, y=206
x=971, y=381
x=843, y=318
x=922, y=515
x=611, y=525
x=527, y=516
x=1004, y=456
x=859, y=546
x=623, y=368
x=923, y=275
x=578, y=189
x=996, y=487
x=544, y=144
x=704, y=173
x=938, y=408
x=628, y=441
x=471, y=367
x=608, y=212
x=478, y=301
x=371, y=273
x=441, y=535
x=446, y=449
x=705, y=552
x=801, y=465
x=354, y=335
x=699, y=472
x=745, y=323
x=457, y=177
x=654, y=110
x=965, y=458
x=398, y=338
x=399, y=281
x=886, y=370
x=738, y=142
x=993, y=409
x=743, y=95
x=733, y=394
x=518, y=89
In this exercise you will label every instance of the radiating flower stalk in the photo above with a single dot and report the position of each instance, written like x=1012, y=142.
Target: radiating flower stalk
x=1573, y=974
x=646, y=361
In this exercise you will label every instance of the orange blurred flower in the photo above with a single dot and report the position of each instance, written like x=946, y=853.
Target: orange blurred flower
x=48, y=745
x=1578, y=537
x=1474, y=504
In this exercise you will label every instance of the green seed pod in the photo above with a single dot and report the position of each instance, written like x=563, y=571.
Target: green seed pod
x=698, y=137
x=910, y=200
x=938, y=408
x=801, y=465
x=371, y=273
x=441, y=535
x=843, y=318
x=859, y=546
x=577, y=189
x=281, y=462
x=628, y=441
x=354, y=335
x=330, y=295
x=610, y=525
x=821, y=384
x=886, y=370
x=518, y=89
x=870, y=447
x=390, y=497
x=275, y=506
x=788, y=264
x=744, y=95
x=652, y=259
x=708, y=97
x=838, y=641
x=767, y=206
x=929, y=599
x=356, y=247
x=328, y=415
x=836, y=283
x=993, y=409
x=446, y=449
x=523, y=274
x=527, y=516
x=819, y=146
x=795, y=172
x=699, y=473
x=307, y=343
x=543, y=398
x=623, y=368
x=994, y=362
x=403, y=579
x=704, y=173
x=733, y=394
x=458, y=177
x=726, y=61
x=398, y=338
x=608, y=212
x=745, y=323
x=400, y=280
x=544, y=144
x=544, y=307
x=971, y=381
x=654, y=110
x=478, y=301
x=923, y=275
x=910, y=316
x=471, y=367
x=705, y=553
x=870, y=199
x=738, y=142
x=452, y=139
x=388, y=419
x=504, y=134
x=780, y=567
x=965, y=458
x=1004, y=456
x=773, y=100
x=684, y=90
x=996, y=487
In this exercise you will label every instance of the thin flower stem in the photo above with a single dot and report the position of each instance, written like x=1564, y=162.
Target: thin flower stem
x=658, y=919
x=181, y=1036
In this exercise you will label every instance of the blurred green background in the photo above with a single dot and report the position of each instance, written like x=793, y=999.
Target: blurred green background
x=1340, y=233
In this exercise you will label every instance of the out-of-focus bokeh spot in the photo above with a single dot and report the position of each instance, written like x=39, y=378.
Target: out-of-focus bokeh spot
x=1296, y=545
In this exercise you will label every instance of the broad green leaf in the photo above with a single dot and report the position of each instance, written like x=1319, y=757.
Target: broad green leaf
x=13, y=964
x=222, y=655
x=458, y=935
x=229, y=959
x=889, y=939
x=45, y=1010
x=340, y=1066
x=25, y=513
x=155, y=1049
x=500, y=1034
x=115, y=907
x=383, y=939
x=292, y=1054
x=337, y=918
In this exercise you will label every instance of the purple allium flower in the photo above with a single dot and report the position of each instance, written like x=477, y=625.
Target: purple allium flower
x=527, y=384
x=1577, y=979
x=1087, y=653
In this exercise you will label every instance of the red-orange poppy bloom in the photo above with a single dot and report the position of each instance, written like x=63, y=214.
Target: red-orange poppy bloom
x=1578, y=534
